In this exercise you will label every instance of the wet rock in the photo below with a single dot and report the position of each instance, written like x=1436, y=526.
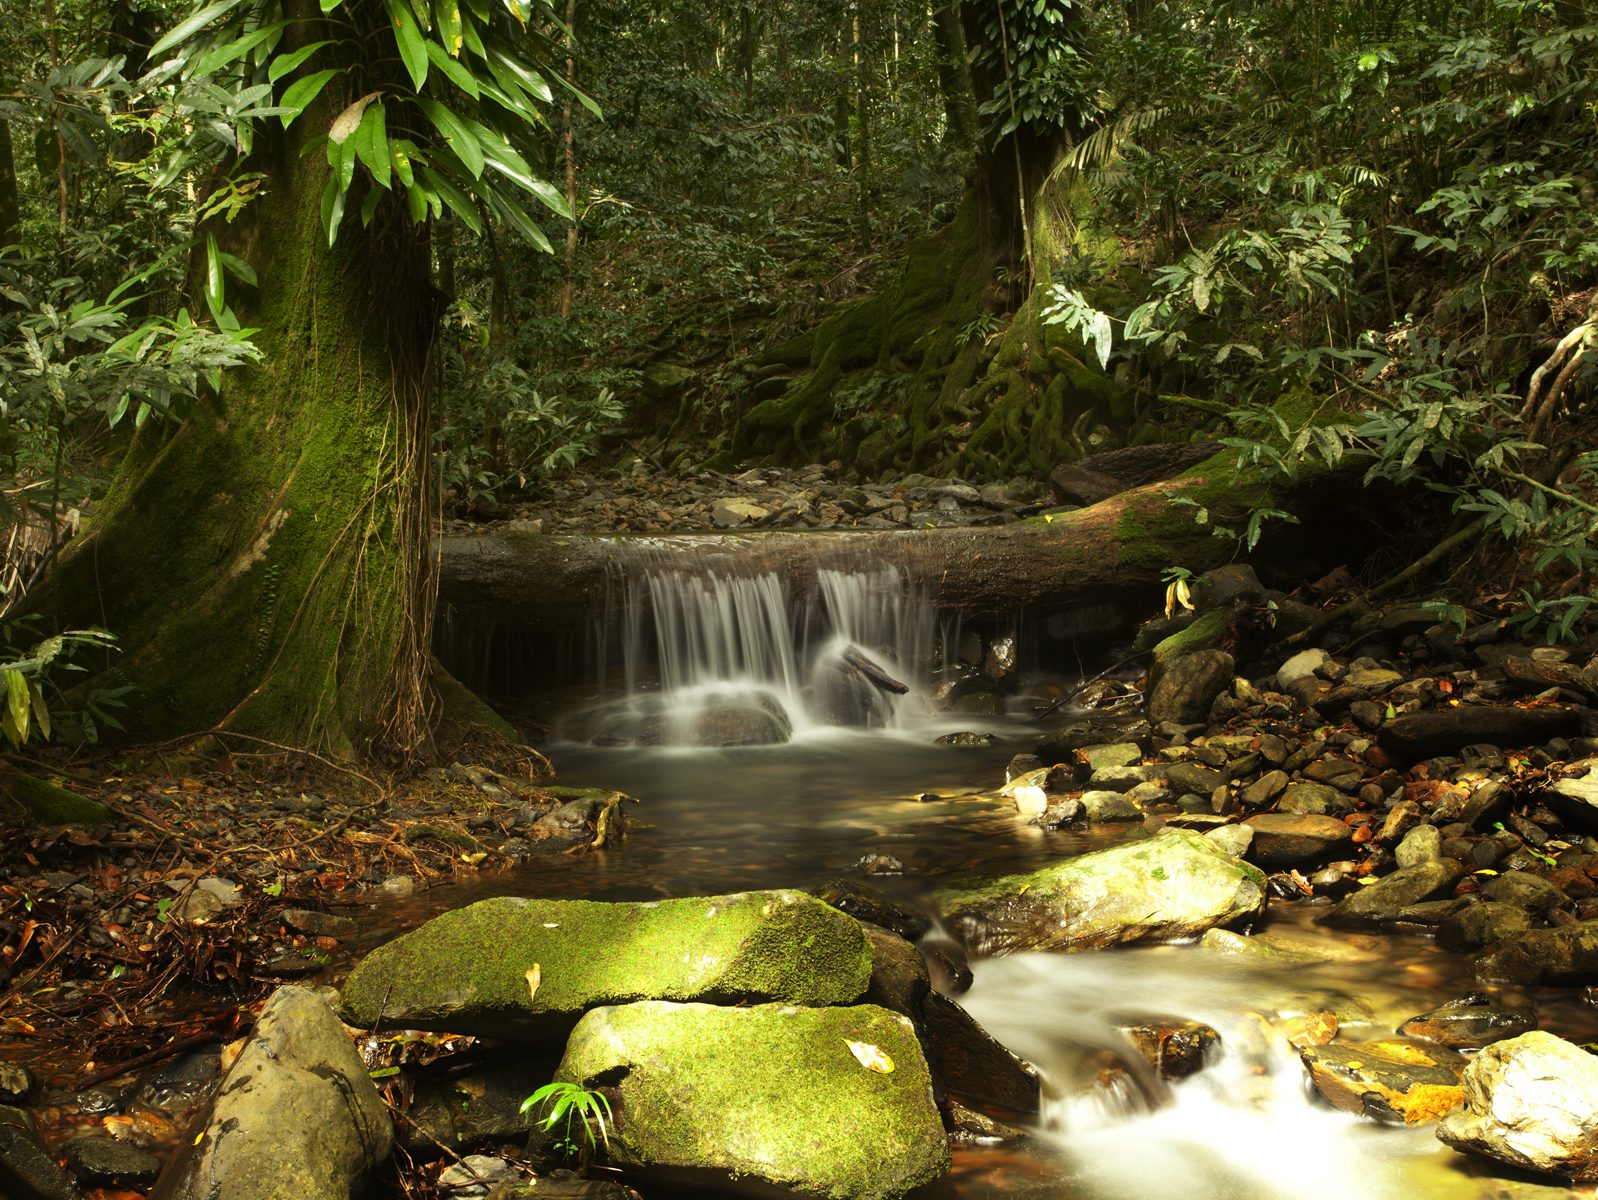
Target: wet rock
x=1265, y=789
x=974, y=1128
x=1301, y=666
x=1567, y=954
x=735, y=511
x=27, y=1170
x=1171, y=886
x=1576, y=795
x=205, y=900
x=1468, y=1023
x=1314, y=799
x=319, y=924
x=1064, y=811
x=1285, y=839
x=1531, y=1102
x=999, y=663
x=476, y=1103
x=527, y=969
x=98, y=1160
x=1194, y=778
x=1386, y=899
x=1186, y=686
x=1523, y=890
x=1116, y=754
x=966, y=740
x=1062, y=744
x=1478, y=925
x=968, y=1060
x=1232, y=839
x=1400, y=819
x=867, y=904
x=1021, y=764
x=900, y=981
x=1262, y=949
x=1410, y=737
x=1101, y=805
x=772, y=1096
x=297, y=1114
x=476, y=1176
x=1175, y=1049
x=1393, y=1081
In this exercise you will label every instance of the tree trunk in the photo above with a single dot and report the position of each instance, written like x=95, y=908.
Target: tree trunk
x=265, y=565
x=954, y=80
x=10, y=198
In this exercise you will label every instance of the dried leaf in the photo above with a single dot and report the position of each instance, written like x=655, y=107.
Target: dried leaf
x=348, y=121
x=872, y=1058
x=535, y=976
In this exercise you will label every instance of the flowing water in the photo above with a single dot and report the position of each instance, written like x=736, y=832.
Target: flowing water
x=869, y=780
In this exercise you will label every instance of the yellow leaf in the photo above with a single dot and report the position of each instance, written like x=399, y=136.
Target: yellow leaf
x=872, y=1058
x=535, y=976
x=474, y=857
x=1023, y=889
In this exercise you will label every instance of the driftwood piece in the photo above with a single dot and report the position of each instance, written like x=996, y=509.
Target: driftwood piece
x=872, y=673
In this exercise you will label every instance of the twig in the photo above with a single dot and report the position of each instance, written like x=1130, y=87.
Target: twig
x=1087, y=683
x=159, y=1054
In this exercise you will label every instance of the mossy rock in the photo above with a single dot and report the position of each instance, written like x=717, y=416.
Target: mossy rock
x=769, y=1100
x=51, y=804
x=1176, y=885
x=527, y=969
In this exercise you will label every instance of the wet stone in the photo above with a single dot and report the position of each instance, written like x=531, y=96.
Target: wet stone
x=16, y=1081
x=1393, y=1081
x=1468, y=1023
x=1175, y=1049
x=1421, y=844
x=1478, y=925
x=966, y=740
x=96, y=1160
x=1314, y=799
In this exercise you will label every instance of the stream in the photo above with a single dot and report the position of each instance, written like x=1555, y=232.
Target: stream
x=715, y=819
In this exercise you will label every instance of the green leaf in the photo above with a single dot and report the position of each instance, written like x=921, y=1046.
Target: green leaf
x=456, y=135
x=238, y=268
x=374, y=197
x=371, y=145
x=301, y=92
x=329, y=5
x=516, y=217
x=457, y=200
x=41, y=714
x=215, y=282
x=525, y=77
x=216, y=59
x=447, y=16
x=284, y=63
x=409, y=40
x=457, y=72
x=400, y=152
x=186, y=29
x=17, y=705
x=332, y=207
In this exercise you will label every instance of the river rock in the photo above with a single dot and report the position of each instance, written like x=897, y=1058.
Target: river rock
x=27, y=1170
x=1564, y=954
x=1175, y=1049
x=1421, y=844
x=1393, y=1080
x=828, y=1102
x=869, y=905
x=1524, y=890
x=297, y=1114
x=1175, y=885
x=1577, y=796
x=1185, y=687
x=1386, y=899
x=1410, y=737
x=1302, y=665
x=1478, y=925
x=970, y=1061
x=99, y=1160
x=1091, y=730
x=1531, y=1102
x=1468, y=1023
x=1312, y=799
x=1285, y=839
x=899, y=978
x=1101, y=805
x=16, y=1081
x=527, y=969
x=481, y=1102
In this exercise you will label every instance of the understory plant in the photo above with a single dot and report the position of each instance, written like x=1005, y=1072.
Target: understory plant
x=583, y=1116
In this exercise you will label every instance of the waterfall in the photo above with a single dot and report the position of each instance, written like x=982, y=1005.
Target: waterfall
x=714, y=651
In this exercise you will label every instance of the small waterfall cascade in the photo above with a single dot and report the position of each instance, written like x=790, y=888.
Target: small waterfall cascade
x=717, y=652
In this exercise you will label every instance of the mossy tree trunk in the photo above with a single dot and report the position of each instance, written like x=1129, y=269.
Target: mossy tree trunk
x=265, y=564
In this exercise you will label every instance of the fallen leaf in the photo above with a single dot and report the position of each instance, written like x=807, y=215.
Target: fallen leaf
x=535, y=976
x=872, y=1058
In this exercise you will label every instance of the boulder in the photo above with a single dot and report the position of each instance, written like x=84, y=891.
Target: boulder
x=970, y=1061
x=1564, y=954
x=1285, y=839
x=833, y=1103
x=1576, y=796
x=1175, y=885
x=1184, y=687
x=1468, y=1023
x=27, y=1170
x=1531, y=1102
x=1393, y=1080
x=1386, y=899
x=1410, y=737
x=527, y=969
x=1478, y=925
x=297, y=1116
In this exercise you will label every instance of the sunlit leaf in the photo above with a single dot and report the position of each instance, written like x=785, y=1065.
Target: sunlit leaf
x=872, y=1058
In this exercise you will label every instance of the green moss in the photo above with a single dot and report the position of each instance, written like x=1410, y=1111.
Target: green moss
x=466, y=971
x=770, y=1095
x=51, y=804
x=424, y=832
x=1203, y=634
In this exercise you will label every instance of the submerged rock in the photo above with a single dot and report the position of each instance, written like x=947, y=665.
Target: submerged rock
x=1172, y=886
x=297, y=1114
x=829, y=1102
x=27, y=1169
x=527, y=969
x=1531, y=1102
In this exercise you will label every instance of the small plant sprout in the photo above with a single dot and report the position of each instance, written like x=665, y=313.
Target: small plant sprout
x=577, y=1105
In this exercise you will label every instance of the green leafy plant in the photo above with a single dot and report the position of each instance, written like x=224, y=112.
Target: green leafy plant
x=26, y=675
x=579, y=1111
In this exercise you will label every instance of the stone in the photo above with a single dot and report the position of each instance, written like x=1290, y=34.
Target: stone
x=1091, y=730
x=1021, y=764
x=297, y=1114
x=204, y=900
x=1187, y=685
x=1531, y=1102
x=1118, y=779
x=319, y=924
x=1300, y=666
x=27, y=1170
x=1109, y=806
x=1175, y=1049
x=97, y=1160
x=1577, y=796
x=16, y=1081
x=1313, y=799
x=970, y=1061
x=1334, y=771
x=1194, y=778
x=1232, y=839
x=1373, y=679
x=899, y=978
x=479, y=1103
x=1033, y=801
x=1266, y=788
x=823, y=1102
x=477, y=1176
x=1421, y=844
x=871, y=906
x=965, y=740
x=735, y=511
x=1392, y=1080
x=1175, y=885
x=1410, y=737
x=1289, y=839
x=1523, y=890
x=527, y=969
x=1386, y=898
x=1115, y=754
x=1478, y=925
x=1565, y=954
x=1468, y=1023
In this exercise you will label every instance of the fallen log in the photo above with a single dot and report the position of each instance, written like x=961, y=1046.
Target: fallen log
x=871, y=673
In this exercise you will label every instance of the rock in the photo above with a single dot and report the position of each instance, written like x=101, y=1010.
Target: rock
x=1194, y=778
x=1410, y=737
x=476, y=1176
x=1116, y=754
x=968, y=1060
x=467, y=971
x=1021, y=764
x=1262, y=949
x=1285, y=839
x=1392, y=1081
x=1234, y=840
x=1302, y=665
x=27, y=1170
x=1171, y=886
x=1186, y=686
x=772, y=1096
x=666, y=380
x=205, y=900
x=1468, y=1024
x=1175, y=1049
x=1577, y=796
x=1386, y=898
x=1062, y=744
x=735, y=511
x=1421, y=844
x=1373, y=679
x=1102, y=805
x=1531, y=1102
x=1478, y=925
x=868, y=905
x=479, y=1103
x=1523, y=890
x=297, y=1114
x=999, y=663
x=16, y=1081
x=1566, y=954
x=965, y=740
x=319, y=924
x=899, y=978
x=97, y=1160
x=1313, y=799
x=969, y=1126
x=1034, y=801
x=1267, y=787
x=1060, y=813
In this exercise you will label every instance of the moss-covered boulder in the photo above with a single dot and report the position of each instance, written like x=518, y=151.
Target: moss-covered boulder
x=1175, y=885
x=829, y=1102
x=527, y=969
